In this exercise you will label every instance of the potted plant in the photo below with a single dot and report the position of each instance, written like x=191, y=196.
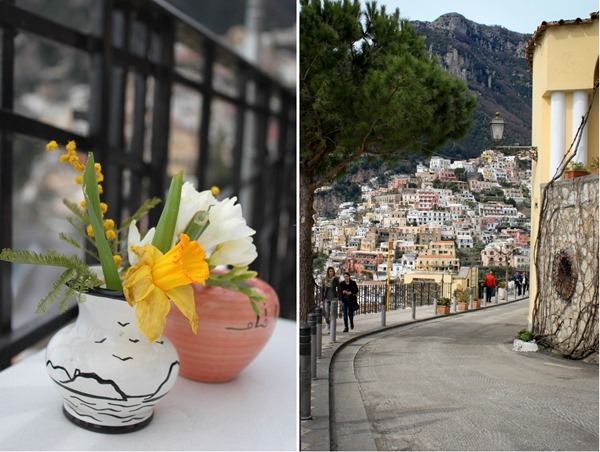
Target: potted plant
x=575, y=169
x=594, y=166
x=475, y=303
x=524, y=342
x=443, y=306
x=462, y=299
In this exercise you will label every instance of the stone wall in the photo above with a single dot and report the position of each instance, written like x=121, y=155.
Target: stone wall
x=565, y=316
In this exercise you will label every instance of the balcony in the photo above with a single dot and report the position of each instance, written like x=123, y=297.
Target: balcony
x=151, y=92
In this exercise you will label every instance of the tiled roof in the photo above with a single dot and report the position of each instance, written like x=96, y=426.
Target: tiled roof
x=544, y=26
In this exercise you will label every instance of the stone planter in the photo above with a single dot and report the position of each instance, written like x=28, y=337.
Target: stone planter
x=476, y=304
x=442, y=310
x=462, y=306
x=522, y=346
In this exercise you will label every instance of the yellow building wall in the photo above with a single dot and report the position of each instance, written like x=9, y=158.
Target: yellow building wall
x=565, y=58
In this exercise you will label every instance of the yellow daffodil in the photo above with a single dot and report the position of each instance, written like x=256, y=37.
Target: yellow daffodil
x=157, y=278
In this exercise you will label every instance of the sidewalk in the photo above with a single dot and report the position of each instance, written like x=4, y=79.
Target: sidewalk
x=315, y=433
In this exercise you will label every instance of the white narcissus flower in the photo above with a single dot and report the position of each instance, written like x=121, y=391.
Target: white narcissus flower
x=226, y=235
x=226, y=223
x=134, y=239
x=191, y=202
x=238, y=253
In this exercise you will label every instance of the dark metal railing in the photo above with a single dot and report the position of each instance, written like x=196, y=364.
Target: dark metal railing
x=401, y=295
x=134, y=72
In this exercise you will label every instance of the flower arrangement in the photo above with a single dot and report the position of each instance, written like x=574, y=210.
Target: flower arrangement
x=195, y=234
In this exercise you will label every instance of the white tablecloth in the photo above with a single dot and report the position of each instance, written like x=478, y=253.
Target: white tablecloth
x=256, y=411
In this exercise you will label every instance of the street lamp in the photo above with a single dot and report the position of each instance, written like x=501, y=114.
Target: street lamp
x=497, y=131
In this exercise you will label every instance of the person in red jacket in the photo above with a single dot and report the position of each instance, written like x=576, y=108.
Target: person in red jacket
x=490, y=283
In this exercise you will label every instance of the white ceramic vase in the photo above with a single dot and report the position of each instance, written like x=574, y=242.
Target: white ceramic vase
x=109, y=375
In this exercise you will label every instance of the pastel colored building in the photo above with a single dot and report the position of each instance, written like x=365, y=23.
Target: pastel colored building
x=563, y=62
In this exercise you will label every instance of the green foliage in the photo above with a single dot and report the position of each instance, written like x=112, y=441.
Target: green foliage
x=443, y=301
x=168, y=218
x=346, y=190
x=197, y=225
x=576, y=166
x=462, y=295
x=92, y=199
x=148, y=205
x=363, y=73
x=524, y=335
x=237, y=279
x=319, y=260
x=78, y=275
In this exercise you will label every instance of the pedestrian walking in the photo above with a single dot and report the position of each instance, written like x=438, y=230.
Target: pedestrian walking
x=490, y=284
x=349, y=291
x=330, y=291
x=525, y=283
x=517, y=279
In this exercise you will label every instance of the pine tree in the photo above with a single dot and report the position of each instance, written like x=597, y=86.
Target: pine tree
x=367, y=87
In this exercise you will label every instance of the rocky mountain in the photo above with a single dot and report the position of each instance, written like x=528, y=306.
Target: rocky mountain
x=491, y=60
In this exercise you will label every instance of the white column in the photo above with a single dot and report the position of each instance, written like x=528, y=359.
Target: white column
x=557, y=130
x=580, y=107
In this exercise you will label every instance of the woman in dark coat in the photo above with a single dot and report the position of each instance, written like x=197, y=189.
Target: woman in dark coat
x=349, y=290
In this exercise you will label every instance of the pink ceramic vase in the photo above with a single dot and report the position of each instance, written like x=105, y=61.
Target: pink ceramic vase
x=230, y=334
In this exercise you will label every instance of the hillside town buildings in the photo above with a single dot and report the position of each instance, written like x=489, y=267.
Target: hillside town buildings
x=422, y=230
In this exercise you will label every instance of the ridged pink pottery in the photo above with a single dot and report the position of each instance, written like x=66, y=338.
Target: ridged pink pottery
x=230, y=334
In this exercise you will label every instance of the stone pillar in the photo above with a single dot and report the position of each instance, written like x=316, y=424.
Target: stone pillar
x=557, y=130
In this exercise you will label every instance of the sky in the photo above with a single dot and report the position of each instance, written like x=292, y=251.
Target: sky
x=523, y=16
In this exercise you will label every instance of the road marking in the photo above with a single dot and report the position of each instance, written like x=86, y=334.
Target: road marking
x=562, y=365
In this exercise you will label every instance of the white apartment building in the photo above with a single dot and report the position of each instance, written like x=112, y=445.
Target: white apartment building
x=408, y=261
x=438, y=163
x=464, y=239
x=423, y=217
x=422, y=168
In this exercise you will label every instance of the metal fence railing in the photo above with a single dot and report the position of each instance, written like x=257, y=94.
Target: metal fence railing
x=164, y=94
x=401, y=295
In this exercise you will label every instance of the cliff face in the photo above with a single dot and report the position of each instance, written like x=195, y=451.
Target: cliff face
x=491, y=60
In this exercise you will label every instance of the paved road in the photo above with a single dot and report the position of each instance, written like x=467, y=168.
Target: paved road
x=455, y=384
